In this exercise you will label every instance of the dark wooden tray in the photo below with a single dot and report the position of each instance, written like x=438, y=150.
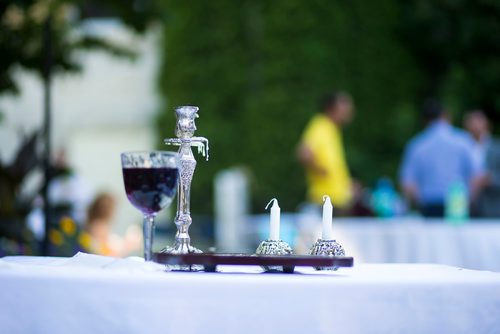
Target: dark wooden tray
x=210, y=261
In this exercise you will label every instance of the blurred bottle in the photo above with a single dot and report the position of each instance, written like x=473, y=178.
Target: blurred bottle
x=457, y=203
x=385, y=199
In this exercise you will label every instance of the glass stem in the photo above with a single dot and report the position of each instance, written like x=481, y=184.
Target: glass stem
x=148, y=232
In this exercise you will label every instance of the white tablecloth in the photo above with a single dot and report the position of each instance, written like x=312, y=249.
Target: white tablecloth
x=92, y=294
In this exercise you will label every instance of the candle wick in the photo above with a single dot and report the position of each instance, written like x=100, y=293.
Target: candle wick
x=325, y=197
x=274, y=199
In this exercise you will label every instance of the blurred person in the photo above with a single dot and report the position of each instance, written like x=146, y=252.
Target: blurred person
x=486, y=154
x=321, y=151
x=436, y=163
x=478, y=133
x=385, y=200
x=100, y=215
x=360, y=206
x=69, y=196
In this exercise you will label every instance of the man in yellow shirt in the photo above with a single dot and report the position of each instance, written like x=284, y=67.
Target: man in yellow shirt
x=321, y=151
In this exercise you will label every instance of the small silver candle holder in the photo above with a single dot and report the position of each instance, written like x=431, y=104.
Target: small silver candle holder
x=325, y=247
x=273, y=247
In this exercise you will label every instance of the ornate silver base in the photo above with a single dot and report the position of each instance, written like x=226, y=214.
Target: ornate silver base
x=323, y=247
x=174, y=250
x=183, y=249
x=273, y=247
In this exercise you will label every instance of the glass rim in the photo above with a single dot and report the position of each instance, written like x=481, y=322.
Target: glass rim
x=173, y=153
x=169, y=159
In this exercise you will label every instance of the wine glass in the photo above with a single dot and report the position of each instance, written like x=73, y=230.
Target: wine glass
x=150, y=183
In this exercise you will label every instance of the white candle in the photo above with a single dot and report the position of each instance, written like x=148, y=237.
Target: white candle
x=327, y=218
x=274, y=231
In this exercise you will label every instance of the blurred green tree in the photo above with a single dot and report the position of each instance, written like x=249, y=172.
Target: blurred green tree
x=22, y=24
x=257, y=70
x=457, y=48
x=22, y=27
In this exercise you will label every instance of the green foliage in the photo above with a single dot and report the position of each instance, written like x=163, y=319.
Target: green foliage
x=23, y=25
x=257, y=69
x=457, y=46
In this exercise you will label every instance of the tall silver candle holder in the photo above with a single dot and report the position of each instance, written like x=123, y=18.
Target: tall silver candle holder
x=184, y=131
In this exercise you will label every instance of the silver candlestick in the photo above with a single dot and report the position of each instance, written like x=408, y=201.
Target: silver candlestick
x=184, y=131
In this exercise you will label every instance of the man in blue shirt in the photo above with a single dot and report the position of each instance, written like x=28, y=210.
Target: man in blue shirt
x=434, y=160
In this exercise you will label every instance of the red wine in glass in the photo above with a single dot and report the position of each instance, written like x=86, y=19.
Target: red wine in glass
x=150, y=189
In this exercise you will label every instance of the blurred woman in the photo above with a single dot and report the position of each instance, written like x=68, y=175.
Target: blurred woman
x=100, y=215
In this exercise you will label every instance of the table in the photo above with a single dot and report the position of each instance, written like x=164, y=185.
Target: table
x=95, y=294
